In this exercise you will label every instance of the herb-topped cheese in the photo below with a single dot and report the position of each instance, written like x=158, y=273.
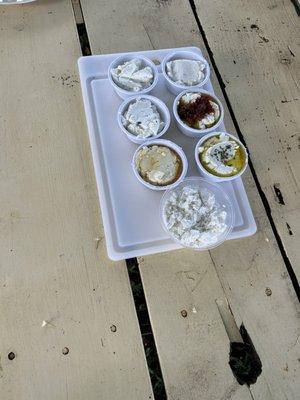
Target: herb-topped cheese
x=194, y=217
x=142, y=119
x=221, y=155
x=132, y=75
x=185, y=72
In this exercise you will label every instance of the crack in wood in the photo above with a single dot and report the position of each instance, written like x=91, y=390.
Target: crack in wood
x=297, y=5
x=291, y=52
x=243, y=358
x=279, y=197
x=289, y=229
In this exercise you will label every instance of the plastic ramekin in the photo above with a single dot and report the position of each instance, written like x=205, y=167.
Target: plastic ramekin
x=221, y=198
x=171, y=145
x=123, y=93
x=174, y=87
x=206, y=174
x=192, y=132
x=161, y=108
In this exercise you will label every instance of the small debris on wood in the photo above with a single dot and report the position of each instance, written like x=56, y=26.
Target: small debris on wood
x=11, y=356
x=47, y=323
x=264, y=39
x=286, y=61
x=65, y=351
x=97, y=241
x=113, y=328
x=288, y=101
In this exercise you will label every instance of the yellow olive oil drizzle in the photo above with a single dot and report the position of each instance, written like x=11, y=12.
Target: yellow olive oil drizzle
x=238, y=161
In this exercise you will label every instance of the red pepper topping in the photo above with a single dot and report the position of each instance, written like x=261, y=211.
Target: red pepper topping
x=193, y=112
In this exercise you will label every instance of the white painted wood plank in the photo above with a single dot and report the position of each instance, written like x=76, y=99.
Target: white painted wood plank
x=53, y=267
x=256, y=46
x=245, y=267
x=193, y=349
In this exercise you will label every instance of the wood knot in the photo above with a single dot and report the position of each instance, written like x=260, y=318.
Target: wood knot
x=268, y=291
x=286, y=61
x=183, y=313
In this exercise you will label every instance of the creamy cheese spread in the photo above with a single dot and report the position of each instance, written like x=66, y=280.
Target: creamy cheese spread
x=186, y=72
x=158, y=165
x=142, y=119
x=199, y=111
x=221, y=155
x=132, y=75
x=194, y=217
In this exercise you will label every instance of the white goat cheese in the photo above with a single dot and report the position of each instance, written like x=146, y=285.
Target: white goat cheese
x=186, y=72
x=142, y=119
x=132, y=75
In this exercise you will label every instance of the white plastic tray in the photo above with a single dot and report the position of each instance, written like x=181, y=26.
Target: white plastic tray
x=11, y=2
x=130, y=211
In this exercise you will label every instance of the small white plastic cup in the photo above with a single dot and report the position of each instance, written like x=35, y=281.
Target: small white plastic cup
x=174, y=87
x=123, y=93
x=192, y=132
x=171, y=145
x=205, y=173
x=221, y=198
x=161, y=108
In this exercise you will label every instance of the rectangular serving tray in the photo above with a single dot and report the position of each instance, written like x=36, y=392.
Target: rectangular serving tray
x=130, y=211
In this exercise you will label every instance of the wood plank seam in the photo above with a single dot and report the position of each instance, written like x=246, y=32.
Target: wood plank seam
x=78, y=15
x=81, y=28
x=152, y=358
x=263, y=197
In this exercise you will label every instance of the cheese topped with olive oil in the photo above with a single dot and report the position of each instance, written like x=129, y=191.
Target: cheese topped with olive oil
x=158, y=165
x=222, y=155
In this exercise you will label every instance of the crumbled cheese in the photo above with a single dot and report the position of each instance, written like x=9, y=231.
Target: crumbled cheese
x=193, y=217
x=132, y=75
x=142, y=119
x=190, y=97
x=186, y=72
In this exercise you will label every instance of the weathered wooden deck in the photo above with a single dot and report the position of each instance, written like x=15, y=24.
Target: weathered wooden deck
x=68, y=319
